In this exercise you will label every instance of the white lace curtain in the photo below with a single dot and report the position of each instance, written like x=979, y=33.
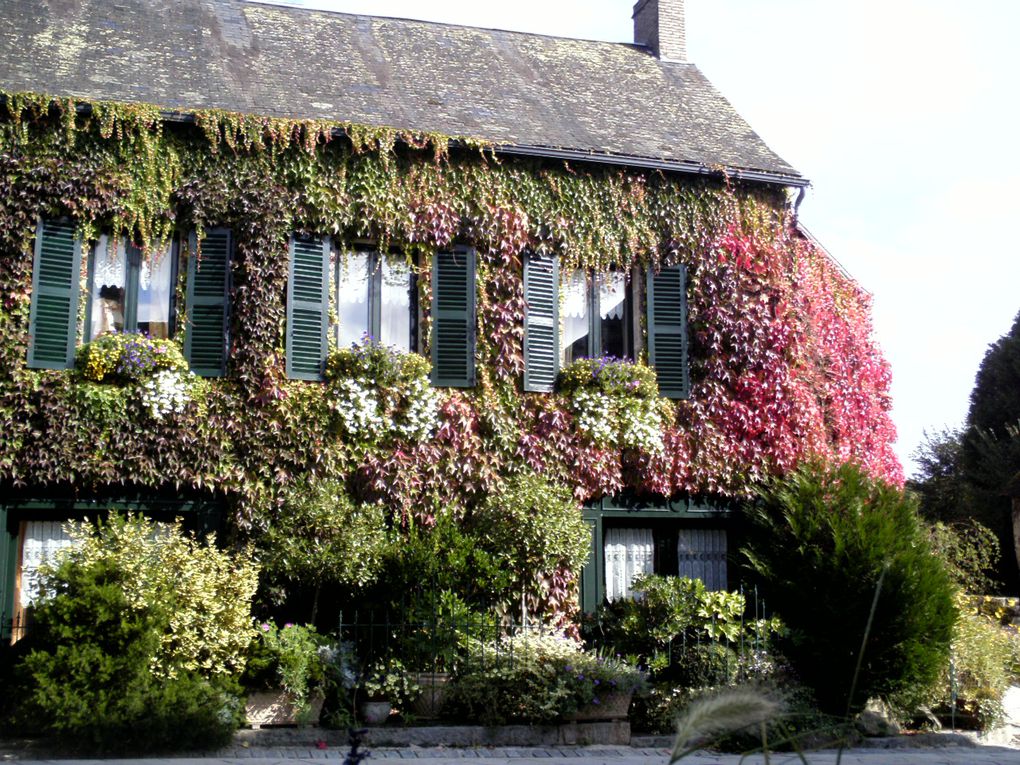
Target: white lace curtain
x=702, y=555
x=43, y=540
x=629, y=552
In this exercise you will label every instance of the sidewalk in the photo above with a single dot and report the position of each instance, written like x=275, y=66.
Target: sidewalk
x=618, y=755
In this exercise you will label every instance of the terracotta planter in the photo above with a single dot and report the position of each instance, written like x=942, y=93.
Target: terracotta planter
x=267, y=708
x=375, y=712
x=433, y=693
x=612, y=706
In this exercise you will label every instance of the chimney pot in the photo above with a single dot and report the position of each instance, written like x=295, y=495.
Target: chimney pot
x=659, y=26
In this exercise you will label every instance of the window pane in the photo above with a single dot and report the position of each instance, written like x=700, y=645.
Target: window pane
x=352, y=298
x=395, y=299
x=154, y=289
x=574, y=317
x=629, y=553
x=614, y=315
x=702, y=555
x=108, y=283
x=43, y=540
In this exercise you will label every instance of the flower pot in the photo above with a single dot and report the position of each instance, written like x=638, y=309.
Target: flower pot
x=611, y=706
x=433, y=692
x=375, y=712
x=276, y=707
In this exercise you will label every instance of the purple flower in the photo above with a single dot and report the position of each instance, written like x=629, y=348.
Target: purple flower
x=595, y=700
x=595, y=681
x=265, y=627
x=288, y=624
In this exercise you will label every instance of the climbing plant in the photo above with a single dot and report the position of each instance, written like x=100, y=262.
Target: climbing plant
x=783, y=363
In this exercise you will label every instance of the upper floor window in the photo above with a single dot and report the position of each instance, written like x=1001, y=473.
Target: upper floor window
x=375, y=297
x=596, y=316
x=129, y=292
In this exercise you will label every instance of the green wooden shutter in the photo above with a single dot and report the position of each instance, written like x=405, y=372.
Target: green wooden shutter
x=541, y=322
x=453, y=318
x=667, y=329
x=205, y=344
x=307, y=308
x=53, y=316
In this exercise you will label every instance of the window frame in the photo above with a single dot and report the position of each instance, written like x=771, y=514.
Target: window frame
x=593, y=283
x=132, y=282
x=374, y=297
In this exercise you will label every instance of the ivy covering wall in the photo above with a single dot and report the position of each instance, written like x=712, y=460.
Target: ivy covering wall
x=782, y=361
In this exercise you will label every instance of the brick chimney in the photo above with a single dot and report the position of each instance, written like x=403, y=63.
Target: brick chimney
x=659, y=26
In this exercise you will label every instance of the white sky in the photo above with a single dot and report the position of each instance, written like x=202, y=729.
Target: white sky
x=904, y=114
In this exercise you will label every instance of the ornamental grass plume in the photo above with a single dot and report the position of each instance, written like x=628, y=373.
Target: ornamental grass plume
x=729, y=711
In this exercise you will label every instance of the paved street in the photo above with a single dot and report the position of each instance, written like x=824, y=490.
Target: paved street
x=953, y=755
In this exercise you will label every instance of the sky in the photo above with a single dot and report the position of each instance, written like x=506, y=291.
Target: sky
x=903, y=113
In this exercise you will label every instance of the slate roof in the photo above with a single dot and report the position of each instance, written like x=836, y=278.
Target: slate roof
x=533, y=92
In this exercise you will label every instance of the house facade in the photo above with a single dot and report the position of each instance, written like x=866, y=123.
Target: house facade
x=235, y=191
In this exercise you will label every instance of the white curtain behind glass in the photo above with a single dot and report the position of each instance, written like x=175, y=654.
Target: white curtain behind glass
x=154, y=292
x=43, y=539
x=108, y=281
x=612, y=293
x=574, y=317
x=395, y=311
x=352, y=298
x=629, y=552
x=702, y=555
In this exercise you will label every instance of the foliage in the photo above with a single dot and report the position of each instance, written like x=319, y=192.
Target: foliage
x=379, y=393
x=938, y=482
x=844, y=561
x=782, y=360
x=970, y=551
x=127, y=357
x=683, y=632
x=320, y=535
x=535, y=677
x=616, y=403
x=89, y=680
x=293, y=658
x=389, y=680
x=532, y=527
x=995, y=401
x=206, y=592
x=984, y=665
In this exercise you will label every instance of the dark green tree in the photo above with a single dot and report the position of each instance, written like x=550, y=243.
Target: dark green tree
x=995, y=400
x=845, y=562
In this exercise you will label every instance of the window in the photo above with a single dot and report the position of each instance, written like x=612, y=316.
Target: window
x=129, y=292
x=596, y=316
x=53, y=314
x=668, y=549
x=375, y=297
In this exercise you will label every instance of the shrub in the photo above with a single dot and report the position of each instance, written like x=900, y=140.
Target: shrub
x=294, y=659
x=534, y=677
x=683, y=632
x=207, y=592
x=824, y=541
x=320, y=536
x=89, y=681
x=533, y=528
x=984, y=663
x=971, y=552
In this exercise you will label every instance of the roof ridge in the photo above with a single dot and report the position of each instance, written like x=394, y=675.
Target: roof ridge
x=289, y=5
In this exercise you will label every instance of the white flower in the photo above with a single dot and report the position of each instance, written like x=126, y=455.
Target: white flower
x=359, y=410
x=420, y=416
x=166, y=392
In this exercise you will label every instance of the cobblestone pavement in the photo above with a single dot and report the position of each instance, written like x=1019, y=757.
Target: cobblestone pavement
x=597, y=755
